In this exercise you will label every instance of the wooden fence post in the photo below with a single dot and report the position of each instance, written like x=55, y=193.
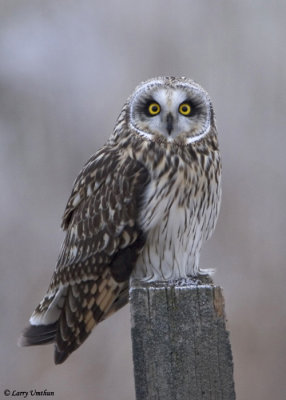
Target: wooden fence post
x=181, y=348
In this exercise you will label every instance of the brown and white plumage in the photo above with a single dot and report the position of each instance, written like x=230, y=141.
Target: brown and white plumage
x=143, y=205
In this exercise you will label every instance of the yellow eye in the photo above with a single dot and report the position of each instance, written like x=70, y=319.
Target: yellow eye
x=154, y=109
x=185, y=109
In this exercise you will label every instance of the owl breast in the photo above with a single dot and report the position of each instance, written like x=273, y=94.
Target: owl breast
x=179, y=213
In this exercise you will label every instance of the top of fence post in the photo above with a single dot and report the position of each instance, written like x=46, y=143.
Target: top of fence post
x=181, y=348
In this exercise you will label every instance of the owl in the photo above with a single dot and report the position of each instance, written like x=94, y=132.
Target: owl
x=141, y=207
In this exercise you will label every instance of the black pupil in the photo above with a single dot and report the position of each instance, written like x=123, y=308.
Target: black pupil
x=154, y=108
x=185, y=108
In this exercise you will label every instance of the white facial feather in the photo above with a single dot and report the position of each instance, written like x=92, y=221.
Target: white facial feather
x=169, y=98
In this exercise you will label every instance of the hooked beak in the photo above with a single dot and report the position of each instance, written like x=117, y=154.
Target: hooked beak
x=169, y=121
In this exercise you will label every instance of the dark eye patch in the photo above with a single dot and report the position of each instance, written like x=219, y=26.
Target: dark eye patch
x=143, y=106
x=196, y=106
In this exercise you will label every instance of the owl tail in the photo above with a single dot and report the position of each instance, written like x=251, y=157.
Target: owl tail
x=38, y=334
x=44, y=320
x=67, y=318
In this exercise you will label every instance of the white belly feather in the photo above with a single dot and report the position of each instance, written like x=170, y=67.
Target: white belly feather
x=177, y=222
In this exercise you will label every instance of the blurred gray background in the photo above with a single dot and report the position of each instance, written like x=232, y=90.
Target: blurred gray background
x=66, y=68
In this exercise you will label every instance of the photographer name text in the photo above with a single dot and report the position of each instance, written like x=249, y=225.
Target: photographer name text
x=28, y=393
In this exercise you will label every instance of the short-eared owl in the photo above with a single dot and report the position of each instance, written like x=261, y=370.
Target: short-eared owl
x=142, y=206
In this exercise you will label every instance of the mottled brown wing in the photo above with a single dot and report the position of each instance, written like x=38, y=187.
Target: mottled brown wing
x=101, y=218
x=103, y=240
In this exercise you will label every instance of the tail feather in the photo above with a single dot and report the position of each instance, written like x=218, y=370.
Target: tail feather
x=82, y=307
x=38, y=334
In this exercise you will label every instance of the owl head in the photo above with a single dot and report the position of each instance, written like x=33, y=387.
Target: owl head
x=168, y=109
